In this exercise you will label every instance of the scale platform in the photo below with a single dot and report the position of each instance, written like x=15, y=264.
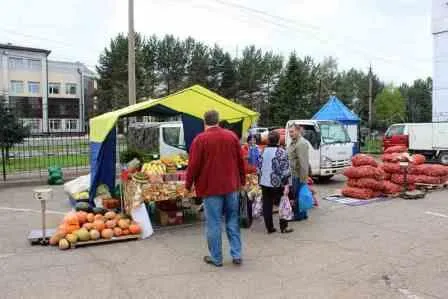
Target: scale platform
x=35, y=236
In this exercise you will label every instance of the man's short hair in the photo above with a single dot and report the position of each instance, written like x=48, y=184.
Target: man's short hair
x=211, y=118
x=273, y=138
x=296, y=126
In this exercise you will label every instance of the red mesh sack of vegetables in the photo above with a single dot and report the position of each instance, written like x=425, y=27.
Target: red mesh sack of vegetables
x=399, y=179
x=366, y=183
x=393, y=157
x=357, y=193
x=396, y=149
x=426, y=179
x=435, y=170
x=392, y=168
x=443, y=179
x=362, y=160
x=391, y=188
x=418, y=159
x=417, y=169
x=365, y=171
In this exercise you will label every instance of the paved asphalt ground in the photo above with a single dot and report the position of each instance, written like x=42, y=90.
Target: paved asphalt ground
x=392, y=249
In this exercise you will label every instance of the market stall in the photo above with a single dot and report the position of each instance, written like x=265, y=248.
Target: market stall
x=161, y=180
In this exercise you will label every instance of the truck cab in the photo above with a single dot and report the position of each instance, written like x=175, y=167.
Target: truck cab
x=396, y=134
x=164, y=138
x=330, y=147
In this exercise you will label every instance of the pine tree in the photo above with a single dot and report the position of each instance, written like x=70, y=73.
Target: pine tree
x=294, y=96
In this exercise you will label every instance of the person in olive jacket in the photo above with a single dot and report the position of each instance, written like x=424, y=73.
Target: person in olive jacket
x=298, y=154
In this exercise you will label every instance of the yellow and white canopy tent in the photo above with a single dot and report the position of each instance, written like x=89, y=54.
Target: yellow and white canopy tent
x=190, y=103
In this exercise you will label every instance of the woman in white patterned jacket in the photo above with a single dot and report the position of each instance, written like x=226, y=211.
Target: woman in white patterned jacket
x=274, y=174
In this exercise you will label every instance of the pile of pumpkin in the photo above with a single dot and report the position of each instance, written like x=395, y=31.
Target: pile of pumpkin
x=82, y=226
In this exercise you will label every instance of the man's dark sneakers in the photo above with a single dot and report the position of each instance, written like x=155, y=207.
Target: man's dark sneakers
x=208, y=260
x=237, y=262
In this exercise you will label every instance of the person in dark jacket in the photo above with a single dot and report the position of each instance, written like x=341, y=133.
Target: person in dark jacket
x=216, y=168
x=274, y=175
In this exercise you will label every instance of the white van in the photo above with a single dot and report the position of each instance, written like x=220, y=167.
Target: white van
x=331, y=149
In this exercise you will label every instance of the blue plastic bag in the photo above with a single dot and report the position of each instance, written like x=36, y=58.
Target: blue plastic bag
x=305, y=198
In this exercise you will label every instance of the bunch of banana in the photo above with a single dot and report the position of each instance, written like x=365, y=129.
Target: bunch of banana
x=181, y=161
x=154, y=168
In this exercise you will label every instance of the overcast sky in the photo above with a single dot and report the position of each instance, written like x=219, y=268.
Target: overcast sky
x=393, y=35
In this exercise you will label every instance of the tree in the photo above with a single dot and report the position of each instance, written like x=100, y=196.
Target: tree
x=294, y=95
x=390, y=106
x=250, y=77
x=12, y=131
x=172, y=59
x=352, y=87
x=198, y=68
x=327, y=78
x=272, y=67
x=418, y=100
x=113, y=74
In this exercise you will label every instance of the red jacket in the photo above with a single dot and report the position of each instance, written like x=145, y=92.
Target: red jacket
x=215, y=164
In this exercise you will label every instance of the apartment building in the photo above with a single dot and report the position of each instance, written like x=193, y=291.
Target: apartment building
x=49, y=96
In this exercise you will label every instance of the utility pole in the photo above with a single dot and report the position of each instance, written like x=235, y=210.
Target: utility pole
x=370, y=98
x=131, y=53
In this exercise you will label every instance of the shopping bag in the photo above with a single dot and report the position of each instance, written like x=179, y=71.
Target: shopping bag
x=257, y=207
x=305, y=198
x=140, y=215
x=245, y=219
x=285, y=210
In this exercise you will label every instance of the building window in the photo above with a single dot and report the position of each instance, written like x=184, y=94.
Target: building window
x=70, y=88
x=55, y=124
x=34, y=64
x=33, y=87
x=54, y=88
x=17, y=86
x=16, y=63
x=71, y=124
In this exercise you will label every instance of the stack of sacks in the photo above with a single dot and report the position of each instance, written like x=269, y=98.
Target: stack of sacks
x=418, y=171
x=365, y=178
x=433, y=174
x=394, y=174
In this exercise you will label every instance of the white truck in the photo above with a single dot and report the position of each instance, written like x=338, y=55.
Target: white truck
x=330, y=147
x=429, y=139
x=163, y=139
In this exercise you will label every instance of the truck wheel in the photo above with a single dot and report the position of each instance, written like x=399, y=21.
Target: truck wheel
x=325, y=179
x=443, y=158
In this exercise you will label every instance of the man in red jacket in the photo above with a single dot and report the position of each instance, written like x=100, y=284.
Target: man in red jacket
x=216, y=168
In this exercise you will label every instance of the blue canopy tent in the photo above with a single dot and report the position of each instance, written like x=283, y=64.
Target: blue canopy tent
x=334, y=109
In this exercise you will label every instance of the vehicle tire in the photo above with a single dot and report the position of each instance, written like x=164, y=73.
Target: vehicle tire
x=325, y=179
x=443, y=158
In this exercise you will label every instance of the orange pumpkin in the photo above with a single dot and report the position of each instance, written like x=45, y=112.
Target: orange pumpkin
x=90, y=217
x=63, y=229
x=98, y=225
x=123, y=224
x=135, y=229
x=82, y=217
x=71, y=219
x=99, y=217
x=72, y=228
x=107, y=233
x=125, y=232
x=117, y=232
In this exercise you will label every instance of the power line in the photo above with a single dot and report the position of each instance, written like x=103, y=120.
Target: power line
x=262, y=14
x=287, y=20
